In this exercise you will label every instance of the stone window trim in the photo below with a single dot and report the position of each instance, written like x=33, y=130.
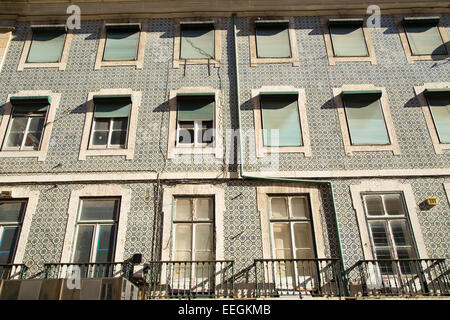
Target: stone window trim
x=95, y=191
x=289, y=189
x=386, y=186
x=128, y=152
x=384, y=102
x=32, y=202
x=255, y=61
x=217, y=149
x=447, y=191
x=61, y=65
x=332, y=60
x=138, y=63
x=261, y=150
x=5, y=41
x=40, y=154
x=405, y=44
x=419, y=90
x=177, y=62
x=194, y=190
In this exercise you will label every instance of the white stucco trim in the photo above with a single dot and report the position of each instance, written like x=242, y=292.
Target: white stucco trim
x=447, y=191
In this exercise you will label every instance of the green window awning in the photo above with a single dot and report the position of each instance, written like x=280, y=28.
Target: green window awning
x=347, y=38
x=423, y=36
x=272, y=39
x=365, y=119
x=191, y=108
x=439, y=104
x=46, y=45
x=122, y=43
x=110, y=106
x=197, y=40
x=30, y=104
x=280, y=112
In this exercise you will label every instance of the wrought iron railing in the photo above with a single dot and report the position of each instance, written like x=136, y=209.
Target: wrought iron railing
x=12, y=271
x=88, y=270
x=298, y=277
x=190, y=279
x=387, y=277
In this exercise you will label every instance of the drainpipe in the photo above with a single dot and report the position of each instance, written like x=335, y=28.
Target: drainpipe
x=241, y=156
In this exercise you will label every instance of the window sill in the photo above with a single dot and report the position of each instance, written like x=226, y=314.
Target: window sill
x=128, y=153
x=39, y=154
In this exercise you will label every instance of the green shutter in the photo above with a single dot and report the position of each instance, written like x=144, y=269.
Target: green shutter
x=280, y=112
x=121, y=43
x=424, y=37
x=108, y=107
x=46, y=45
x=439, y=103
x=192, y=108
x=30, y=104
x=197, y=41
x=348, y=39
x=272, y=40
x=365, y=119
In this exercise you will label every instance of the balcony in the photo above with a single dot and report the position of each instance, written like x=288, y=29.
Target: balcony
x=190, y=279
x=403, y=277
x=298, y=277
x=88, y=270
x=12, y=271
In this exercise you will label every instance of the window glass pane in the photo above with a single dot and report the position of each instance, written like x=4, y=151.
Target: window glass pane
x=183, y=209
x=379, y=234
x=348, y=41
x=302, y=234
x=118, y=138
x=280, y=120
x=101, y=124
x=394, y=205
x=406, y=267
x=100, y=138
x=305, y=254
x=46, y=46
x=279, y=208
x=424, y=40
x=207, y=132
x=15, y=139
x=204, y=208
x=105, y=243
x=299, y=208
x=17, y=130
x=282, y=238
x=386, y=267
x=197, y=41
x=440, y=111
x=120, y=124
x=186, y=132
x=203, y=237
x=121, y=45
x=99, y=209
x=203, y=256
x=183, y=239
x=272, y=40
x=34, y=132
x=365, y=120
x=374, y=205
x=8, y=241
x=11, y=211
x=84, y=243
x=401, y=233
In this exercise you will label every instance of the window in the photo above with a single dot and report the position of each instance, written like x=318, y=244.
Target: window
x=389, y=230
x=96, y=234
x=366, y=122
x=273, y=41
x=197, y=40
x=110, y=124
x=26, y=124
x=439, y=106
x=347, y=38
x=11, y=218
x=5, y=40
x=195, y=118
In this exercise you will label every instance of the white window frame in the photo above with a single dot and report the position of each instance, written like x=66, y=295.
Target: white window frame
x=22, y=146
x=197, y=130
x=108, y=145
x=19, y=224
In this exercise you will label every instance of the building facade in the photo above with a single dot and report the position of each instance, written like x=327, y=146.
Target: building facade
x=148, y=131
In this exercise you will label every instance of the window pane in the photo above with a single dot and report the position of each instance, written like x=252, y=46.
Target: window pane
x=279, y=208
x=183, y=209
x=99, y=209
x=11, y=211
x=348, y=41
x=207, y=132
x=425, y=40
x=197, y=42
x=386, y=267
x=118, y=138
x=17, y=130
x=302, y=234
x=186, y=132
x=120, y=124
x=203, y=237
x=272, y=41
x=183, y=238
x=365, y=120
x=401, y=233
x=101, y=124
x=8, y=241
x=204, y=256
x=100, y=138
x=299, y=208
x=440, y=111
x=34, y=132
x=204, y=208
x=121, y=45
x=105, y=243
x=393, y=203
x=282, y=237
x=374, y=205
x=305, y=254
x=19, y=124
x=15, y=139
x=46, y=46
x=379, y=233
x=84, y=243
